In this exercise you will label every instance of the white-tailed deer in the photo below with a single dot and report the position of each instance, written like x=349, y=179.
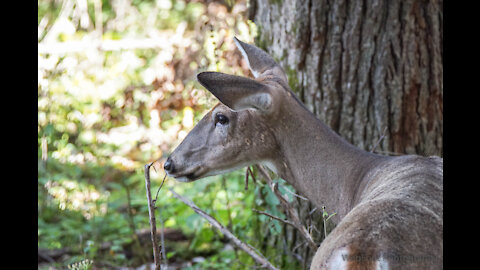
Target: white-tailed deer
x=389, y=209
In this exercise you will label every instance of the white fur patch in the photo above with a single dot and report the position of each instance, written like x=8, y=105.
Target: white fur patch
x=382, y=264
x=224, y=171
x=339, y=259
x=245, y=56
x=182, y=179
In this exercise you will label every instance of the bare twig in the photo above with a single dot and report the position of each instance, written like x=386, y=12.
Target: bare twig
x=249, y=173
x=158, y=190
x=260, y=259
x=65, y=12
x=162, y=240
x=314, y=228
x=379, y=140
x=274, y=217
x=291, y=211
x=151, y=214
x=296, y=195
x=41, y=27
x=313, y=210
x=252, y=175
x=299, y=245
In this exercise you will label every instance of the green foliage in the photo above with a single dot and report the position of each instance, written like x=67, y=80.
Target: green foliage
x=102, y=115
x=325, y=217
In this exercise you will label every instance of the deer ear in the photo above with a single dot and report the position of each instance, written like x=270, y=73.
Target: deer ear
x=237, y=93
x=259, y=61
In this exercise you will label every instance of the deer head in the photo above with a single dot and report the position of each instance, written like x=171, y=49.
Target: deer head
x=238, y=131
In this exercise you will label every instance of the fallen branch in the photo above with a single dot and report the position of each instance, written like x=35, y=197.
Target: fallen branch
x=243, y=246
x=151, y=214
x=291, y=211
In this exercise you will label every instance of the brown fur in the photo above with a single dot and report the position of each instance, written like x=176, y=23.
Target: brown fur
x=389, y=209
x=361, y=257
x=399, y=216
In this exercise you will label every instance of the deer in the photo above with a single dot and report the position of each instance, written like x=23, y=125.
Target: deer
x=389, y=208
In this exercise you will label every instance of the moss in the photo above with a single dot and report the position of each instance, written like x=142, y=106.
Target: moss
x=293, y=81
x=276, y=2
x=260, y=40
x=294, y=28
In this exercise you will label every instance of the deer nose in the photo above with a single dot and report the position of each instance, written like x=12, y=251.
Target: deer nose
x=168, y=166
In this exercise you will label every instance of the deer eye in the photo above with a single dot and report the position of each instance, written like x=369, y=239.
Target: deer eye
x=222, y=119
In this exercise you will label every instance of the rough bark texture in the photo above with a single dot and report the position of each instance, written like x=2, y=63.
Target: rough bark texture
x=363, y=66
x=366, y=68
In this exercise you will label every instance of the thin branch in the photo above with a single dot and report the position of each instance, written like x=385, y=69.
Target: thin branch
x=41, y=27
x=260, y=259
x=274, y=217
x=296, y=195
x=162, y=239
x=313, y=210
x=151, y=214
x=252, y=175
x=313, y=227
x=291, y=211
x=299, y=245
x=379, y=140
x=65, y=11
x=158, y=190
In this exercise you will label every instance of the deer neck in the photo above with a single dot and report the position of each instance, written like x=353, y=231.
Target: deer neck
x=320, y=164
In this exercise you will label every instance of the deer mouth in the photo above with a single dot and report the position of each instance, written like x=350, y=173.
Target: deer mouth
x=189, y=176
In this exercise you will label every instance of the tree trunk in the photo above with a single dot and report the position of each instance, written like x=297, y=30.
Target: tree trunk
x=368, y=69
x=363, y=67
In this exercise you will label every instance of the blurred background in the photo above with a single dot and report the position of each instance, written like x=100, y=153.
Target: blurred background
x=117, y=90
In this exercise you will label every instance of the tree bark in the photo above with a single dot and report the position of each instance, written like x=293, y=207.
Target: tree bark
x=369, y=69
x=363, y=67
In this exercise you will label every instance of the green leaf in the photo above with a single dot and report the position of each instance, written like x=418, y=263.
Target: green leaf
x=271, y=198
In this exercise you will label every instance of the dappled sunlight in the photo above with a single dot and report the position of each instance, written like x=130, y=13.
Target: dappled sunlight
x=115, y=96
x=71, y=195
